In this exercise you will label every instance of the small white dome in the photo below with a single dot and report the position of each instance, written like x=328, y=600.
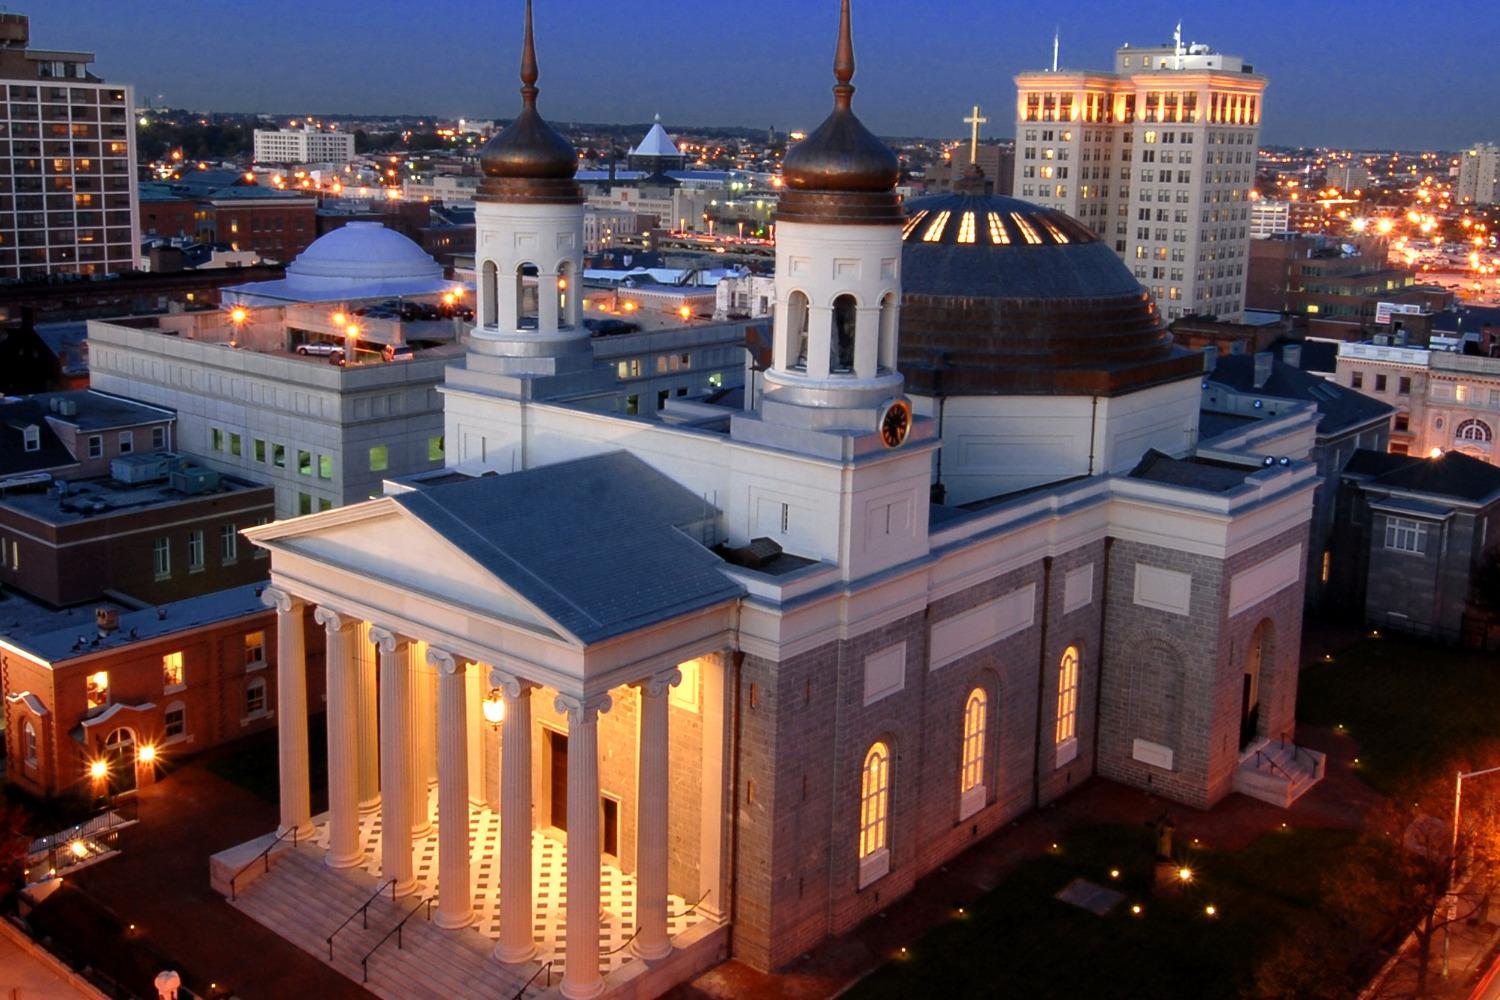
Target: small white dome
x=363, y=251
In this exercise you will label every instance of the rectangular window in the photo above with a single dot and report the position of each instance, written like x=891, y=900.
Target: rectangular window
x=380, y=458
x=435, y=449
x=174, y=723
x=1380, y=383
x=216, y=439
x=255, y=649
x=1403, y=386
x=171, y=671
x=161, y=553
x=304, y=503
x=158, y=437
x=229, y=544
x=127, y=442
x=325, y=466
x=96, y=446
x=278, y=455
x=260, y=450
x=1357, y=380
x=1402, y=535
x=255, y=697
x=304, y=463
x=96, y=689
x=234, y=445
x=195, y=551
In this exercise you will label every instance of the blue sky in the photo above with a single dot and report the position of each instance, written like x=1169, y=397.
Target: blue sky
x=1371, y=73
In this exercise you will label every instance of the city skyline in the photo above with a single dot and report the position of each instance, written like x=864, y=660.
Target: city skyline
x=1331, y=88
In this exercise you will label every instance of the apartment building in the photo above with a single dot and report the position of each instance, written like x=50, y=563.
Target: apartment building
x=300, y=145
x=1158, y=158
x=1479, y=175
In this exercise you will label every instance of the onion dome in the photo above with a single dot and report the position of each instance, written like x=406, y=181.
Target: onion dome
x=529, y=160
x=841, y=158
x=1003, y=297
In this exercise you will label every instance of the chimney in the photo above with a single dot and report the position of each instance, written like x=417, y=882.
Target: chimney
x=1210, y=358
x=107, y=620
x=1291, y=354
x=1264, y=362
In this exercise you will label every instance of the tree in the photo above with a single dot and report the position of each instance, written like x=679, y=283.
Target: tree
x=14, y=845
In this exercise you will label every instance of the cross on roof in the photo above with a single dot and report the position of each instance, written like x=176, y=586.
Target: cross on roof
x=975, y=120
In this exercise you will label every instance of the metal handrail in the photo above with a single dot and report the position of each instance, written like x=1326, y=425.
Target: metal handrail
x=363, y=911
x=112, y=816
x=670, y=916
x=266, y=854
x=547, y=968
x=1260, y=755
x=364, y=963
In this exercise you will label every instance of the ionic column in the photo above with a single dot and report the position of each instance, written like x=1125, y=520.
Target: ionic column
x=474, y=679
x=396, y=758
x=581, y=977
x=651, y=939
x=341, y=669
x=291, y=711
x=369, y=712
x=516, y=888
x=424, y=736
x=455, y=906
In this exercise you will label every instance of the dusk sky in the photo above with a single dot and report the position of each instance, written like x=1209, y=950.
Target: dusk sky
x=1372, y=73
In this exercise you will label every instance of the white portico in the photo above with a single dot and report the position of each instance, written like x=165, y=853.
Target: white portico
x=477, y=586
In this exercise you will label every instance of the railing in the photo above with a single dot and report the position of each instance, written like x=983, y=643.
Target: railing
x=1260, y=755
x=364, y=963
x=266, y=854
x=679, y=916
x=1298, y=751
x=547, y=968
x=363, y=912
x=115, y=816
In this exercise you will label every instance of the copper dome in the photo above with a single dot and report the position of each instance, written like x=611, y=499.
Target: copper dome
x=528, y=150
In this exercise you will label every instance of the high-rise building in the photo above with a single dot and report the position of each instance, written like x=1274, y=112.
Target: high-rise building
x=1479, y=175
x=302, y=145
x=68, y=198
x=1158, y=158
x=1267, y=218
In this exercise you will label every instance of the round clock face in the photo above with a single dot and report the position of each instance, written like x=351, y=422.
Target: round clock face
x=895, y=423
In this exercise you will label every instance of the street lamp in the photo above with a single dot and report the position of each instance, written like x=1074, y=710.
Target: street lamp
x=1458, y=797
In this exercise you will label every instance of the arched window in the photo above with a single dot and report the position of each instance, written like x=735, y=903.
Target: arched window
x=1474, y=430
x=874, y=801
x=888, y=310
x=796, y=330
x=841, y=345
x=28, y=743
x=971, y=774
x=526, y=301
x=1067, y=695
x=489, y=295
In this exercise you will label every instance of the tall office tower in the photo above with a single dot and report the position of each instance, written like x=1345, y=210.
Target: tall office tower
x=1158, y=158
x=1479, y=175
x=68, y=197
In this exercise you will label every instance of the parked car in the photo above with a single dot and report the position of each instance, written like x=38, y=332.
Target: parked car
x=319, y=348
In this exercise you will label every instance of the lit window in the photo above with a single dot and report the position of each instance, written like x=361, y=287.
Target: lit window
x=934, y=232
x=1057, y=234
x=325, y=466
x=380, y=458
x=1473, y=430
x=1067, y=695
x=435, y=449
x=874, y=801
x=255, y=649
x=304, y=463
x=96, y=688
x=1030, y=234
x=171, y=670
x=28, y=743
x=255, y=697
x=278, y=455
x=1403, y=535
x=998, y=234
x=966, y=228
x=913, y=223
x=972, y=773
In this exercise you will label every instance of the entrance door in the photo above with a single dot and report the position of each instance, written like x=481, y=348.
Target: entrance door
x=119, y=754
x=1249, y=711
x=557, y=744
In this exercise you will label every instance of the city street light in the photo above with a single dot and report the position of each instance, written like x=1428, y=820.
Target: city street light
x=1458, y=798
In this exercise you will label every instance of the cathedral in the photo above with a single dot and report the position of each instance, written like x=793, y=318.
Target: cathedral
x=624, y=698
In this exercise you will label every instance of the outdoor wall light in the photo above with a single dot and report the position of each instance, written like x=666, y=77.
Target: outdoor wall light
x=494, y=708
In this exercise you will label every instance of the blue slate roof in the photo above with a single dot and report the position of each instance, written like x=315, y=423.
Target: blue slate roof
x=596, y=544
x=1339, y=407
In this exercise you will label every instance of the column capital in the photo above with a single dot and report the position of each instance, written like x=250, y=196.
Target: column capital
x=388, y=639
x=280, y=599
x=583, y=711
x=511, y=684
x=334, y=621
x=446, y=662
x=658, y=683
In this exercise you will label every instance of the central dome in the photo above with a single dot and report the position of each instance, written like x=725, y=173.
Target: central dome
x=1003, y=297
x=364, y=251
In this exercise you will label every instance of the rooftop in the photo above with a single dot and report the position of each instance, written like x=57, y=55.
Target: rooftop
x=83, y=499
x=1453, y=475
x=1339, y=407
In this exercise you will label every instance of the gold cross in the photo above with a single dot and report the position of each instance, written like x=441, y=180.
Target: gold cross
x=975, y=120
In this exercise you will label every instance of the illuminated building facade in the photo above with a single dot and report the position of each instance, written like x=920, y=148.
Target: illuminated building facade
x=1158, y=158
x=303, y=145
x=68, y=198
x=1479, y=175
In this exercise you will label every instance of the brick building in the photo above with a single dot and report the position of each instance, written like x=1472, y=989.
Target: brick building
x=278, y=225
x=762, y=666
x=137, y=691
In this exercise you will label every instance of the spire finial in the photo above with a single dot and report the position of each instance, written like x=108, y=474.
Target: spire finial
x=843, y=61
x=528, y=63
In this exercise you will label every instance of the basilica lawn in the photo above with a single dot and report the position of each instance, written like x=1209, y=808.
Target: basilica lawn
x=1416, y=711
x=1018, y=940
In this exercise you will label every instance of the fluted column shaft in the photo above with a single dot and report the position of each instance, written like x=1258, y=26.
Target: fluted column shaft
x=516, y=889
x=581, y=977
x=424, y=738
x=341, y=666
x=455, y=902
x=396, y=773
x=651, y=940
x=369, y=711
x=291, y=712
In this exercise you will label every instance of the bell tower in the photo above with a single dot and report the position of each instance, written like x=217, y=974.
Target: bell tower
x=838, y=278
